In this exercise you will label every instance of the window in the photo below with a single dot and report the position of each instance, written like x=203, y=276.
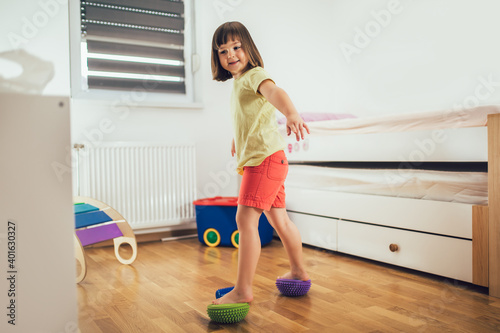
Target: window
x=129, y=45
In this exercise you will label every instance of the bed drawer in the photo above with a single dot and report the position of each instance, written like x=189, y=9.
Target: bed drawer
x=445, y=256
x=315, y=230
x=437, y=217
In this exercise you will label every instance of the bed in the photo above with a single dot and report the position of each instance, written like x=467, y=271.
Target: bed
x=417, y=190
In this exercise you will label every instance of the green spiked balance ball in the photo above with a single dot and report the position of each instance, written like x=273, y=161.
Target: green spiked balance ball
x=228, y=313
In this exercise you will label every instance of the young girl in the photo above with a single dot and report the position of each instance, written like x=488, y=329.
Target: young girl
x=259, y=150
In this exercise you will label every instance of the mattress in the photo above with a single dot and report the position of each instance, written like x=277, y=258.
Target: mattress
x=450, y=186
x=447, y=135
x=442, y=119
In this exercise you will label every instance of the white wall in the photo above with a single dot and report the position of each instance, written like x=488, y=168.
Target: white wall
x=432, y=54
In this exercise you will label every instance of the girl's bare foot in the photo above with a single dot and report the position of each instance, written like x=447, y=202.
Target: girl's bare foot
x=234, y=296
x=295, y=276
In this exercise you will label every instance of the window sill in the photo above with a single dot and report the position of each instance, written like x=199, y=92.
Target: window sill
x=127, y=100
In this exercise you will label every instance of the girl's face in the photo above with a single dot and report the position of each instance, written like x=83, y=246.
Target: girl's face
x=232, y=57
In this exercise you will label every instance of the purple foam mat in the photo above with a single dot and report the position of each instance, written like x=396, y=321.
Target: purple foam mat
x=98, y=234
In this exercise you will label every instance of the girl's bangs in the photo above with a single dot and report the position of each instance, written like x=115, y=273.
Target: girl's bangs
x=225, y=34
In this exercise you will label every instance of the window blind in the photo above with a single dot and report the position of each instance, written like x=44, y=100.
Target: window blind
x=131, y=44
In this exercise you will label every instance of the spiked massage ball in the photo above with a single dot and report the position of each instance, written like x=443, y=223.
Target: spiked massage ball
x=292, y=288
x=228, y=313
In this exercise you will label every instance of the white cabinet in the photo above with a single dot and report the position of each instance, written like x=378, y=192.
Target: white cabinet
x=316, y=230
x=431, y=236
x=441, y=255
x=36, y=213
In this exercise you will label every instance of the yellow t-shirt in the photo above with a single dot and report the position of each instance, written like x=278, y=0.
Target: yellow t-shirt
x=256, y=133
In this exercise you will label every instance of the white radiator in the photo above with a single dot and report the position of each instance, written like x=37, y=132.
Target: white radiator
x=151, y=185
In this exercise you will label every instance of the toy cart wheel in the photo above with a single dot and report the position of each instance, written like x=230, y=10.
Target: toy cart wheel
x=235, y=239
x=211, y=237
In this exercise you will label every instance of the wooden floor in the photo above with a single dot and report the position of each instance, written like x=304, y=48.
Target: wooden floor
x=170, y=284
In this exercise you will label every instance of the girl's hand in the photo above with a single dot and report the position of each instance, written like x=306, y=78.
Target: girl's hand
x=233, y=149
x=281, y=101
x=295, y=124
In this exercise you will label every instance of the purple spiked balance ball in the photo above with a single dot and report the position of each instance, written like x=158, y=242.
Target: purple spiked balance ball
x=292, y=288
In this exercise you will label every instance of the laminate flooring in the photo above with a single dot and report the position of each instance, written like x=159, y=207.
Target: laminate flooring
x=169, y=286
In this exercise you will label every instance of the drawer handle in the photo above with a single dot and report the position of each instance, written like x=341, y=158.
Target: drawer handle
x=394, y=247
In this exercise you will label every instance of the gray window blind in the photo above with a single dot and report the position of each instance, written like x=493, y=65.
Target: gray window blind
x=134, y=44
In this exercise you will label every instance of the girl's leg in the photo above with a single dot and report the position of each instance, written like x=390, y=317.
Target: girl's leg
x=290, y=236
x=247, y=219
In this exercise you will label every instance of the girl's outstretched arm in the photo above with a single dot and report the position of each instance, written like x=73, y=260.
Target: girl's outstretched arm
x=281, y=101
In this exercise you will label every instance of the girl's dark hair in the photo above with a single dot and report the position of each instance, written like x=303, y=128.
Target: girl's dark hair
x=232, y=31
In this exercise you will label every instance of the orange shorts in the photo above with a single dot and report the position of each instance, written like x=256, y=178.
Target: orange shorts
x=263, y=186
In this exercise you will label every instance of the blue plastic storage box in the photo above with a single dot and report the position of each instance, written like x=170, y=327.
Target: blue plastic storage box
x=216, y=222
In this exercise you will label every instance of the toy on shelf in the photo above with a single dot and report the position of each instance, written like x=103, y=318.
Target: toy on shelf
x=96, y=222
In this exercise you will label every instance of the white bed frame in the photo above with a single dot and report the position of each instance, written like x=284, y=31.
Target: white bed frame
x=455, y=240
